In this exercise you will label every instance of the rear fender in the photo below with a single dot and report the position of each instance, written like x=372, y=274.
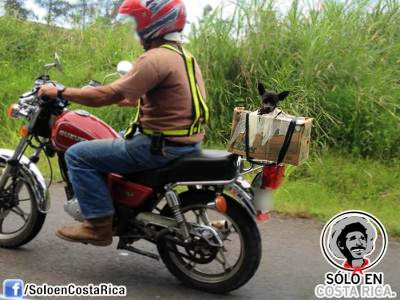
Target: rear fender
x=33, y=177
x=241, y=194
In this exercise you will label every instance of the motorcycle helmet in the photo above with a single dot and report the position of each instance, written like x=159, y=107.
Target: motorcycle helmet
x=155, y=18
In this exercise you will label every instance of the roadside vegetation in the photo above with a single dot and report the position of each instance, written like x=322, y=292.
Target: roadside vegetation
x=339, y=59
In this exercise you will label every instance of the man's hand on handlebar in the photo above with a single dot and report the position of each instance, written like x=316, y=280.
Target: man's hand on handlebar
x=48, y=90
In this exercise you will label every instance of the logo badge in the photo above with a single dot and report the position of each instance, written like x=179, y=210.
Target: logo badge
x=13, y=288
x=349, y=241
x=354, y=242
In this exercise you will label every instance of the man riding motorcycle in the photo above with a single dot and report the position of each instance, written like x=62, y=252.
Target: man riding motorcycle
x=168, y=125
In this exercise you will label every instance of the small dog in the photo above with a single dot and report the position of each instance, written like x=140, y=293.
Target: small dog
x=269, y=99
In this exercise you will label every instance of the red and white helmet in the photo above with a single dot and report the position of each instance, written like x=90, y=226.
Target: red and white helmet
x=155, y=18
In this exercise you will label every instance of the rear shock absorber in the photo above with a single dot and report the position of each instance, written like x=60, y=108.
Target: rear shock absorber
x=173, y=203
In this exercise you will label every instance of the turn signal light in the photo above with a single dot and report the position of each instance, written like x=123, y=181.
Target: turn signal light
x=220, y=204
x=11, y=111
x=23, y=131
x=272, y=176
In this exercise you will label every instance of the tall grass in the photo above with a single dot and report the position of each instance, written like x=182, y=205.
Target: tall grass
x=340, y=61
x=25, y=47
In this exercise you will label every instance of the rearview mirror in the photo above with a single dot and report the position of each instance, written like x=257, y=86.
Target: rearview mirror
x=57, y=62
x=124, y=67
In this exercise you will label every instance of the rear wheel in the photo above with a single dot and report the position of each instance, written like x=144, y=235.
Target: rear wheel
x=216, y=270
x=21, y=222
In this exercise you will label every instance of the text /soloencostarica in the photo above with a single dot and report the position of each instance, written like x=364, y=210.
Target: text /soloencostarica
x=90, y=290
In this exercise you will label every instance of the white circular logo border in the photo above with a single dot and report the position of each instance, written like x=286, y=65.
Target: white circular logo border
x=324, y=245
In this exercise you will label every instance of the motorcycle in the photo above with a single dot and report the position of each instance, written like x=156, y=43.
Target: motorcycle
x=198, y=210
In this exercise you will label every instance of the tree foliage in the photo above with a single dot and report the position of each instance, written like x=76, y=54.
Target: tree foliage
x=55, y=10
x=15, y=8
x=77, y=13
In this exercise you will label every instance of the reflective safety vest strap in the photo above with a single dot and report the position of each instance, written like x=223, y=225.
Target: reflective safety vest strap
x=201, y=113
x=130, y=131
x=199, y=104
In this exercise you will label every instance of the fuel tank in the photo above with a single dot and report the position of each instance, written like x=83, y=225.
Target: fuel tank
x=75, y=126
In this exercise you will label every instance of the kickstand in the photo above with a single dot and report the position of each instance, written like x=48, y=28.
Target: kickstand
x=123, y=246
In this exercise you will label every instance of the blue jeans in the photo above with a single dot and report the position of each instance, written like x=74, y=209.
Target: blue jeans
x=89, y=161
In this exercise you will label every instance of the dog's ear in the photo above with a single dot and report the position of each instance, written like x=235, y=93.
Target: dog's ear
x=283, y=95
x=261, y=89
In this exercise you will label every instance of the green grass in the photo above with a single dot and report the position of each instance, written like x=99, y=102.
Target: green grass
x=336, y=182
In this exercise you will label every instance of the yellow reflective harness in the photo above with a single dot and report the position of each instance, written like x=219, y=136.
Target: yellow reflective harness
x=201, y=114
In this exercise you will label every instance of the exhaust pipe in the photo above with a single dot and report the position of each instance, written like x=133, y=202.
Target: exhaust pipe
x=156, y=220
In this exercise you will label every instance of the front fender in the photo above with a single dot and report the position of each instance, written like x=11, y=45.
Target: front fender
x=34, y=177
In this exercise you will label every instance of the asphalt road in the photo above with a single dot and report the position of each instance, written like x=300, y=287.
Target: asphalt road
x=292, y=264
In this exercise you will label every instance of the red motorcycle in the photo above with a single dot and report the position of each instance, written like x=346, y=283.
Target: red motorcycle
x=197, y=210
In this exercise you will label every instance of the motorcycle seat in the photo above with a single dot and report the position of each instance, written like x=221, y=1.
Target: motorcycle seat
x=206, y=165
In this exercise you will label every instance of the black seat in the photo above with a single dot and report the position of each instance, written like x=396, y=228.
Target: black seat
x=207, y=165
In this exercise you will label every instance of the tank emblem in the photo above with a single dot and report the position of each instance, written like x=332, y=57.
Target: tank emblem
x=71, y=136
x=82, y=113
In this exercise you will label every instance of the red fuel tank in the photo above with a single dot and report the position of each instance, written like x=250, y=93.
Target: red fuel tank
x=75, y=126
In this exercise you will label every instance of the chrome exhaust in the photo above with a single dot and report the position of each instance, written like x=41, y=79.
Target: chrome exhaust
x=157, y=220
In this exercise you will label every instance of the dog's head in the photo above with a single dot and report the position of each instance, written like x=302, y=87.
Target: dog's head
x=270, y=99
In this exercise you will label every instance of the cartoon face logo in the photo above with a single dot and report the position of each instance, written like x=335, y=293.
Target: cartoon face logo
x=348, y=241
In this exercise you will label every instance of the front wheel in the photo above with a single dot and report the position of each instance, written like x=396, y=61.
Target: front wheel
x=22, y=221
x=215, y=270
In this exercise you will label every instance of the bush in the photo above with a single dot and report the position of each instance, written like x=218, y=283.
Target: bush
x=340, y=62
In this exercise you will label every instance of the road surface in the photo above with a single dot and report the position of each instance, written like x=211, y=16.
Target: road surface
x=291, y=267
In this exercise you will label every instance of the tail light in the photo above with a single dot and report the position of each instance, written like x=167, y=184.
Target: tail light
x=272, y=176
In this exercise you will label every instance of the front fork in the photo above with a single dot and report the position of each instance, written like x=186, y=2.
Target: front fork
x=12, y=164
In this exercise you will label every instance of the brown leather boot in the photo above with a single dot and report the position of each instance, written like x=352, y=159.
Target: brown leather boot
x=96, y=232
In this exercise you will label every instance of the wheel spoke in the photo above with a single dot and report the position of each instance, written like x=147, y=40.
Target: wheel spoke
x=17, y=210
x=3, y=214
x=204, y=217
x=197, y=214
x=22, y=200
x=2, y=220
x=223, y=261
x=191, y=265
